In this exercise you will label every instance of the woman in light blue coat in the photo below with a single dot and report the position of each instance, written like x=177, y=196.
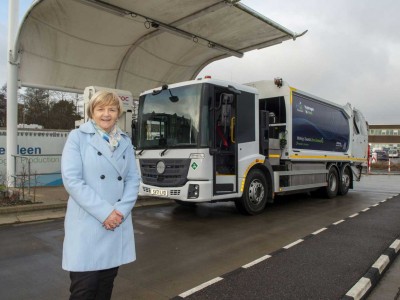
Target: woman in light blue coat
x=100, y=174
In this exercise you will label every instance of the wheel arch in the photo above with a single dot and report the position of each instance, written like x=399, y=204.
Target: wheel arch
x=266, y=168
x=333, y=165
x=343, y=166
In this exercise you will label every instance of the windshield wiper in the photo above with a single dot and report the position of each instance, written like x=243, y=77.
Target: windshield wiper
x=163, y=152
x=140, y=152
x=172, y=98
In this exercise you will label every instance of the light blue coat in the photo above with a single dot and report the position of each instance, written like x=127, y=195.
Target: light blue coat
x=98, y=181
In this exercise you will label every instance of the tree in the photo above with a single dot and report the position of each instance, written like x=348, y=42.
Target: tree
x=63, y=110
x=3, y=106
x=63, y=115
x=37, y=108
x=21, y=113
x=51, y=109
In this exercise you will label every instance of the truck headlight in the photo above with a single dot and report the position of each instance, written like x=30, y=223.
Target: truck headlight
x=193, y=191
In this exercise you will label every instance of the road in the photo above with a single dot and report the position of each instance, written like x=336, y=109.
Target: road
x=179, y=248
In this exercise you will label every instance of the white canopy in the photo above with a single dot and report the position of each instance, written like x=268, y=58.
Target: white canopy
x=135, y=45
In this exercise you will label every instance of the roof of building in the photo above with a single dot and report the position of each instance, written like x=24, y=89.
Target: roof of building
x=383, y=126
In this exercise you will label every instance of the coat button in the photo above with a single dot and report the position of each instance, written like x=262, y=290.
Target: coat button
x=99, y=153
x=102, y=176
x=123, y=157
x=119, y=178
x=118, y=200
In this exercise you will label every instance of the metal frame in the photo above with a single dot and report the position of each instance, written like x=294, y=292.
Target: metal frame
x=277, y=175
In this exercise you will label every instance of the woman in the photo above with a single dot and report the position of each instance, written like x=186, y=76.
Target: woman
x=100, y=175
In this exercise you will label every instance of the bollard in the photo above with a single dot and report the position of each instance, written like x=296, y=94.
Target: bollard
x=369, y=165
x=389, y=166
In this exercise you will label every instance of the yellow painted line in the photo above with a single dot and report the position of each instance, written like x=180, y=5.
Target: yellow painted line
x=328, y=157
x=274, y=156
x=292, y=89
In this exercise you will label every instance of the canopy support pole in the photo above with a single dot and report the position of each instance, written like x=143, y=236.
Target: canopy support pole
x=12, y=91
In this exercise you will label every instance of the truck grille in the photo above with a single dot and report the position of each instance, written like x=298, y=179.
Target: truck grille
x=175, y=173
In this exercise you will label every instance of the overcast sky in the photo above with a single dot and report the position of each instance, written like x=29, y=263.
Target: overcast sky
x=350, y=53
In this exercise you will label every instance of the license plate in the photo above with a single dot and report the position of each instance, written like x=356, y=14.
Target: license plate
x=157, y=192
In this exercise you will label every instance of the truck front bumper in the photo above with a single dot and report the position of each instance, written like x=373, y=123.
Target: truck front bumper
x=192, y=191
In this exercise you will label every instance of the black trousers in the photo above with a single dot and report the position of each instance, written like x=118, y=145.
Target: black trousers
x=93, y=285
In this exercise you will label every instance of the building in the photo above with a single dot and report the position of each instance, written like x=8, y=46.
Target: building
x=384, y=136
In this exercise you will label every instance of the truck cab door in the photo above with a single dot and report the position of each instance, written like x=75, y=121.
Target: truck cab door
x=224, y=147
x=360, y=136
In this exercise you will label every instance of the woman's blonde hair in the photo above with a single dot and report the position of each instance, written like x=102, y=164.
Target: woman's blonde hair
x=104, y=98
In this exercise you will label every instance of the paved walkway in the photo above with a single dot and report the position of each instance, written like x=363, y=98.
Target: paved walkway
x=51, y=203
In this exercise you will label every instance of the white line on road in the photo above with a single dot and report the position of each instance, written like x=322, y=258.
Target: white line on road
x=293, y=244
x=319, y=231
x=200, y=287
x=256, y=261
x=338, y=222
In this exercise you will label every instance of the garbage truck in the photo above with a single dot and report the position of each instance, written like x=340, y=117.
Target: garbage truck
x=209, y=140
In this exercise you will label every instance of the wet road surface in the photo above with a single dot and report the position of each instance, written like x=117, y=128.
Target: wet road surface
x=179, y=248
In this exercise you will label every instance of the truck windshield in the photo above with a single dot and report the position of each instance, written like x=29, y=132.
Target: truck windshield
x=170, y=118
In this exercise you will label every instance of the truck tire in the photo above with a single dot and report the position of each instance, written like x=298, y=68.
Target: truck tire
x=255, y=194
x=345, y=181
x=333, y=183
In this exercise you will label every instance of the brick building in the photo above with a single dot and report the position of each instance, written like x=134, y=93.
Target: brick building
x=384, y=136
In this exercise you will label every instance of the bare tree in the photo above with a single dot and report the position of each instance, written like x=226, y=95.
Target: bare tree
x=51, y=109
x=3, y=106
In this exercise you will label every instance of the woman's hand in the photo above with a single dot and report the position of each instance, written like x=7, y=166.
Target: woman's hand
x=113, y=220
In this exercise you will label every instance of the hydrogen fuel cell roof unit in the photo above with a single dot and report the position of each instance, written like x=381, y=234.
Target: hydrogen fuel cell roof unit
x=132, y=44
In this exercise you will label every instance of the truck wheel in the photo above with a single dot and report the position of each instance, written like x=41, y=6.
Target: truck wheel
x=345, y=181
x=333, y=183
x=255, y=194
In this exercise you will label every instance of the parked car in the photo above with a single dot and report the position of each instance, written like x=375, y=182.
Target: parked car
x=393, y=153
x=381, y=155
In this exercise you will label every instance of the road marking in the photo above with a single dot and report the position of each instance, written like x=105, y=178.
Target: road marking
x=200, y=287
x=354, y=215
x=319, y=231
x=364, y=210
x=293, y=244
x=256, y=261
x=338, y=222
x=360, y=288
x=383, y=201
x=376, y=204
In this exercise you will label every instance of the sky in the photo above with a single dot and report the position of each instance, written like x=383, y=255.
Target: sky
x=350, y=53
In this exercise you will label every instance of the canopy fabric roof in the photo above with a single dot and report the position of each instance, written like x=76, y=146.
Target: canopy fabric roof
x=135, y=45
